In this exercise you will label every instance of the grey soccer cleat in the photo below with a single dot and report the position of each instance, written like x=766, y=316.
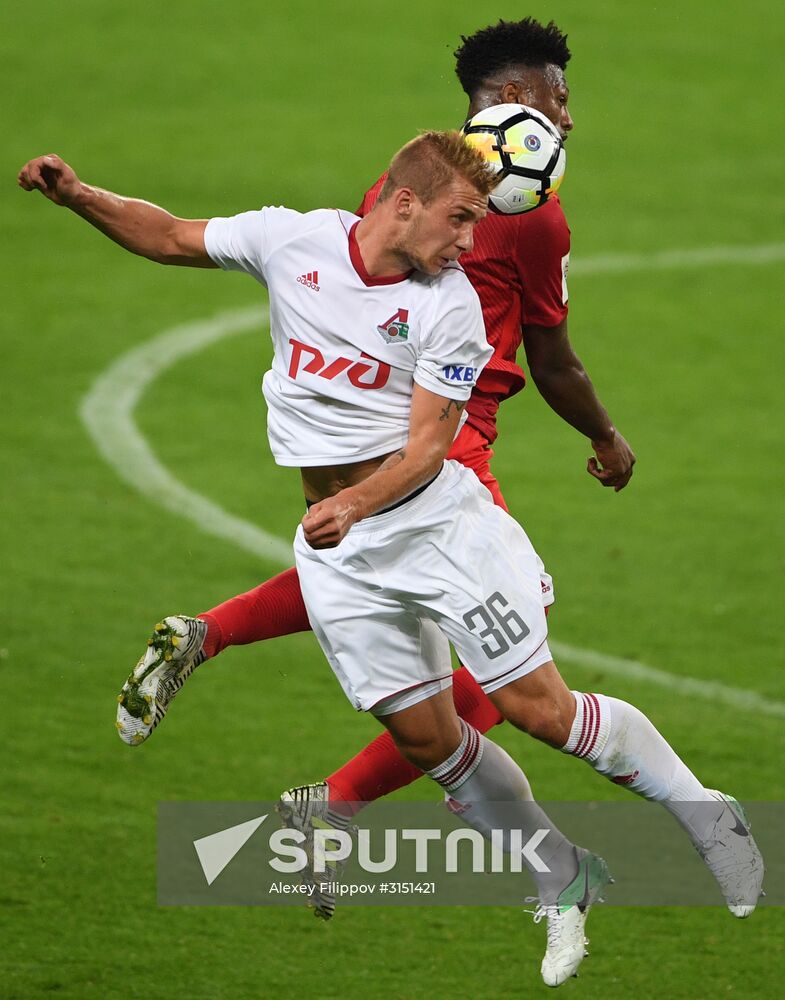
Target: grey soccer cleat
x=306, y=808
x=566, y=918
x=174, y=651
x=732, y=856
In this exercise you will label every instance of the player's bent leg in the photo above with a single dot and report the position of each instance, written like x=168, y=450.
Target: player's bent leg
x=427, y=732
x=431, y=731
x=479, y=774
x=621, y=743
x=539, y=703
x=352, y=614
x=174, y=651
x=380, y=768
x=273, y=609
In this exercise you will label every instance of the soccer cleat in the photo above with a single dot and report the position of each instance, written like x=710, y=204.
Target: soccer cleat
x=566, y=918
x=306, y=808
x=733, y=858
x=174, y=651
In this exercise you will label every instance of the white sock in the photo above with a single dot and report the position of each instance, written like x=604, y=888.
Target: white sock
x=484, y=779
x=621, y=743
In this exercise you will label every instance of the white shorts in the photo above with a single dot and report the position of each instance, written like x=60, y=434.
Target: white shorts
x=447, y=565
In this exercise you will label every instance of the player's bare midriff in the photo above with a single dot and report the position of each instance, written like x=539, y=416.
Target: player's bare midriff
x=327, y=480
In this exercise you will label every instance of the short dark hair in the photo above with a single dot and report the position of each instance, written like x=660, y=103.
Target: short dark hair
x=508, y=43
x=431, y=162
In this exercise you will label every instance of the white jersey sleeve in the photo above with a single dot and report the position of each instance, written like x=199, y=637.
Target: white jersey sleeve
x=244, y=242
x=455, y=350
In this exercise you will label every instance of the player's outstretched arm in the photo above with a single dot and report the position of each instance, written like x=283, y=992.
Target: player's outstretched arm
x=433, y=423
x=138, y=226
x=565, y=385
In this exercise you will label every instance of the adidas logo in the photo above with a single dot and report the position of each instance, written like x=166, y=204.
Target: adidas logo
x=310, y=280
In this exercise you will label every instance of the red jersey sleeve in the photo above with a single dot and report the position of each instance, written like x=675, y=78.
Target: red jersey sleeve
x=369, y=199
x=542, y=260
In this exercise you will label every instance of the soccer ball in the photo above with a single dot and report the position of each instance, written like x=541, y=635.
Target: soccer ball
x=526, y=150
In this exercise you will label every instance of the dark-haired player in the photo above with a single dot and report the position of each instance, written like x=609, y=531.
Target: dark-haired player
x=519, y=268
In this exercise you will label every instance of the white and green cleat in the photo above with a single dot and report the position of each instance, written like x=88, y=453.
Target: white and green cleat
x=732, y=856
x=567, y=941
x=174, y=651
x=307, y=808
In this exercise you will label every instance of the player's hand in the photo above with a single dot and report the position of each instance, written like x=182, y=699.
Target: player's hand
x=52, y=177
x=327, y=523
x=614, y=462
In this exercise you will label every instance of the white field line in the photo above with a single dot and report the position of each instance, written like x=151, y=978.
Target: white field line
x=108, y=413
x=714, y=691
x=672, y=260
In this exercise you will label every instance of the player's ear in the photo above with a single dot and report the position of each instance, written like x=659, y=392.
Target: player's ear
x=510, y=93
x=404, y=202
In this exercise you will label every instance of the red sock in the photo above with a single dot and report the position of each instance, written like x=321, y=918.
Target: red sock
x=472, y=703
x=381, y=768
x=270, y=610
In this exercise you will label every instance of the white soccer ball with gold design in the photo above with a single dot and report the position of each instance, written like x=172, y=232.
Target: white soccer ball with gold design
x=527, y=151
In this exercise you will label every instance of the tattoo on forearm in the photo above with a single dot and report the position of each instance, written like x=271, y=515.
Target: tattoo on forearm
x=445, y=414
x=392, y=460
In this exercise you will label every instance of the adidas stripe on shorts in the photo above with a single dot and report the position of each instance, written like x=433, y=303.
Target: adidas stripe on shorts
x=447, y=566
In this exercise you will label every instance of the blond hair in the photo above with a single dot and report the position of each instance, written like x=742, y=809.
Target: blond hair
x=431, y=162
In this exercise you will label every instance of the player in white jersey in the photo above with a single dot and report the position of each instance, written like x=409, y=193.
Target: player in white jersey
x=378, y=341
x=399, y=549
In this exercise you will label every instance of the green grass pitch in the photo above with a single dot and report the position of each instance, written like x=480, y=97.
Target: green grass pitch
x=210, y=109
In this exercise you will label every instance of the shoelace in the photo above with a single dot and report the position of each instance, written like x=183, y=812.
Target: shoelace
x=534, y=899
x=552, y=914
x=542, y=911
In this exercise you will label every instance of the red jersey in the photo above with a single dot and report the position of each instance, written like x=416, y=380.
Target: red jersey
x=518, y=268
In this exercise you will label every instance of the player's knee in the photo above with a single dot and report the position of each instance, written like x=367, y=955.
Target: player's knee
x=427, y=750
x=546, y=719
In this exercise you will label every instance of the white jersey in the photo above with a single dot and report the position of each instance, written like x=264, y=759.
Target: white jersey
x=347, y=345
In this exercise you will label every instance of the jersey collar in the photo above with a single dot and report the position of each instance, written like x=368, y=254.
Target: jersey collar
x=359, y=266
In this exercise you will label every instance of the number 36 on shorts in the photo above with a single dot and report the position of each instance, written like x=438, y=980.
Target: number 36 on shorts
x=498, y=624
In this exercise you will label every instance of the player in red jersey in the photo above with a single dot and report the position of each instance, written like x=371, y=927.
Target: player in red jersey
x=518, y=267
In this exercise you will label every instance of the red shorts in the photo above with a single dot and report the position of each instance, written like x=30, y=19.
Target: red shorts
x=471, y=449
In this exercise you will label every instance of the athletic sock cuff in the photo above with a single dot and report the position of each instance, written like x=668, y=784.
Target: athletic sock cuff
x=591, y=726
x=214, y=640
x=461, y=764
